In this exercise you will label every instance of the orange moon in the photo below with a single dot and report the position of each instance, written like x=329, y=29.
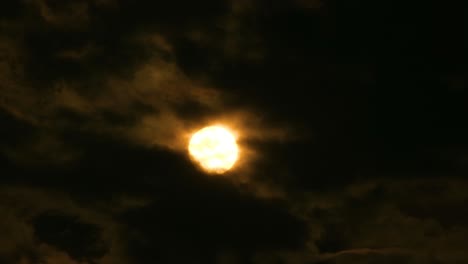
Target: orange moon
x=214, y=148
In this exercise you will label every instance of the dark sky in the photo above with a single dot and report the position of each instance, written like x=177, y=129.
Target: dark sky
x=351, y=116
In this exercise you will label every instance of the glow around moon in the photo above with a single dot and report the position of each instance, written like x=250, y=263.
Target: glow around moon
x=214, y=148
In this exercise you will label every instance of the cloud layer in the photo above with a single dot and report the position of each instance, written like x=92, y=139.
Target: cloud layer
x=348, y=115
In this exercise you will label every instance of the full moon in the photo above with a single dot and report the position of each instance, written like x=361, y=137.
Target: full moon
x=214, y=148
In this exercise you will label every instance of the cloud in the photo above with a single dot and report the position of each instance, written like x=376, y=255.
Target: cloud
x=372, y=222
x=95, y=211
x=18, y=206
x=98, y=99
x=46, y=226
x=58, y=85
x=63, y=14
x=365, y=251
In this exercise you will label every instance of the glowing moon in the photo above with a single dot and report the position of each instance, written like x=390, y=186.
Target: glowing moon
x=214, y=148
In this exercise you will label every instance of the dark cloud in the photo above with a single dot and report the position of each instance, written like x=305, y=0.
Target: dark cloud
x=349, y=117
x=211, y=223
x=79, y=240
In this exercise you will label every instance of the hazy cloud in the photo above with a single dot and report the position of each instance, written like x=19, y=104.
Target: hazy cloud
x=351, y=145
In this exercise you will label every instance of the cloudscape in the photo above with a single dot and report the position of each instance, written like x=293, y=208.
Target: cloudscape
x=348, y=119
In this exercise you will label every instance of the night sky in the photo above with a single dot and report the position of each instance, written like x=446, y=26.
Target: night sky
x=351, y=119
